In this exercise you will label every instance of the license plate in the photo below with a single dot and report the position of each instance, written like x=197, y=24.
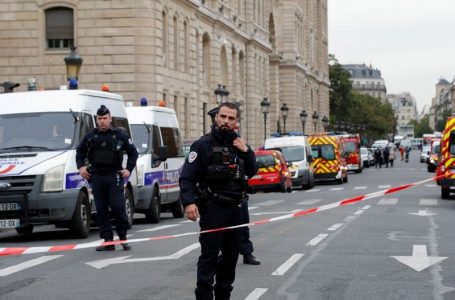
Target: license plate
x=9, y=206
x=9, y=223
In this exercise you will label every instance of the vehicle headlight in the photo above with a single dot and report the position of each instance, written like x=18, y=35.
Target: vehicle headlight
x=140, y=175
x=53, y=179
x=432, y=161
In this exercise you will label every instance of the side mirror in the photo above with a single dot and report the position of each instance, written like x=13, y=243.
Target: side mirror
x=160, y=157
x=310, y=158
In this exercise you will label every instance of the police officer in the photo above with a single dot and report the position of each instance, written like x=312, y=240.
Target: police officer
x=213, y=186
x=103, y=147
x=246, y=246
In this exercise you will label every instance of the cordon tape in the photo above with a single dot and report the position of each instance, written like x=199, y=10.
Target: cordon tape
x=70, y=247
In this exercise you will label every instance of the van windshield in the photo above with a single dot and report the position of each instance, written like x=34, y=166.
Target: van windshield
x=293, y=153
x=349, y=147
x=45, y=131
x=323, y=151
x=265, y=161
x=140, y=137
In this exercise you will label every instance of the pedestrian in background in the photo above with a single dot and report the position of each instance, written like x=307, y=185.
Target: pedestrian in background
x=402, y=152
x=378, y=158
x=104, y=147
x=385, y=155
x=213, y=185
x=392, y=156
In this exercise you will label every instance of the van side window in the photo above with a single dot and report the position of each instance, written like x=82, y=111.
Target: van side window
x=122, y=124
x=156, y=140
x=171, y=138
x=86, y=126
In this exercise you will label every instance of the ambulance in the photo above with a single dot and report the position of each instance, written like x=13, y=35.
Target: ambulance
x=351, y=145
x=39, y=179
x=156, y=134
x=328, y=158
x=446, y=164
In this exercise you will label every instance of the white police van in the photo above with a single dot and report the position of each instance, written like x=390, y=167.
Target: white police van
x=156, y=134
x=297, y=152
x=39, y=179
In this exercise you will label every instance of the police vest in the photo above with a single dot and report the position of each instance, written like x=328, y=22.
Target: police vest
x=226, y=172
x=105, y=150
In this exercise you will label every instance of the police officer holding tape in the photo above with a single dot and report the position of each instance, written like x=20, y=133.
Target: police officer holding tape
x=103, y=147
x=213, y=186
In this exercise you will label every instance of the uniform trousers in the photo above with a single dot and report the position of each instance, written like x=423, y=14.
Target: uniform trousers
x=246, y=246
x=108, y=192
x=215, y=276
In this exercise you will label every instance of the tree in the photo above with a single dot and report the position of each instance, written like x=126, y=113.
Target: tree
x=340, y=91
x=421, y=127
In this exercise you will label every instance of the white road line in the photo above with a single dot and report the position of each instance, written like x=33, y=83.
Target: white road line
x=335, y=226
x=254, y=295
x=287, y=264
x=89, y=244
x=27, y=264
x=349, y=218
x=158, y=228
x=366, y=207
x=337, y=189
x=360, y=188
x=317, y=239
x=384, y=186
x=388, y=201
x=270, y=202
x=428, y=202
x=430, y=185
x=313, y=190
x=359, y=212
x=252, y=207
x=309, y=202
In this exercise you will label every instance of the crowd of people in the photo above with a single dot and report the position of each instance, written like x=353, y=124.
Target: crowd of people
x=386, y=156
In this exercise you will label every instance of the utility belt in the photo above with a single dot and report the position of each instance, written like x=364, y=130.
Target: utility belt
x=208, y=197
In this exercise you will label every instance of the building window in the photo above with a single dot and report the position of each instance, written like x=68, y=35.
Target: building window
x=164, y=38
x=206, y=59
x=59, y=28
x=186, y=46
x=176, y=44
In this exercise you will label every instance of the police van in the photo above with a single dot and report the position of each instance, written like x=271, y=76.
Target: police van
x=156, y=134
x=297, y=152
x=39, y=179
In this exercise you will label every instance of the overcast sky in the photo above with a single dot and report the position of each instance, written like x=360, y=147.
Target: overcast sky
x=412, y=42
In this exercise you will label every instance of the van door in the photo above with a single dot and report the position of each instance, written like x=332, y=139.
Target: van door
x=173, y=164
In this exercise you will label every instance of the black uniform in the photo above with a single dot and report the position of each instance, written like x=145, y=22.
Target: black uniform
x=104, y=151
x=214, y=177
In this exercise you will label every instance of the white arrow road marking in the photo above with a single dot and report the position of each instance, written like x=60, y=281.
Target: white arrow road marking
x=287, y=264
x=317, y=239
x=99, y=264
x=419, y=260
x=423, y=213
x=158, y=228
x=428, y=202
x=254, y=295
x=28, y=264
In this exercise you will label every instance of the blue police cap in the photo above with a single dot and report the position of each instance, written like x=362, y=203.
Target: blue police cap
x=103, y=110
x=212, y=113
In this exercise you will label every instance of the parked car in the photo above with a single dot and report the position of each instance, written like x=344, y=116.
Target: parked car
x=367, y=157
x=425, y=154
x=273, y=172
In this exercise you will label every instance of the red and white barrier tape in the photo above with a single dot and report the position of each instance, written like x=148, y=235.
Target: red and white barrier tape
x=70, y=247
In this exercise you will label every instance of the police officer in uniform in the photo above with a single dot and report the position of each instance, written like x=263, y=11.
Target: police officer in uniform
x=246, y=246
x=213, y=186
x=103, y=147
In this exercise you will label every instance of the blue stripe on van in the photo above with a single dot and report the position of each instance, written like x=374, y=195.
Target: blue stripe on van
x=165, y=178
x=74, y=181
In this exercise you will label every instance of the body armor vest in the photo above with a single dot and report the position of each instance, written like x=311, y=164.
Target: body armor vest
x=105, y=150
x=226, y=173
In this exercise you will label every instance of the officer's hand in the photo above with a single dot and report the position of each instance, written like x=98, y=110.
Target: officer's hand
x=125, y=173
x=192, y=212
x=240, y=144
x=83, y=172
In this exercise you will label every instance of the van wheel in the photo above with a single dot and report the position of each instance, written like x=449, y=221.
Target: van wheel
x=79, y=225
x=152, y=214
x=129, y=207
x=283, y=186
x=25, y=230
x=177, y=209
x=445, y=193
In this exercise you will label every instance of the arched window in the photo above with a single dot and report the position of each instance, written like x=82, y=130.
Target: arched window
x=206, y=59
x=186, y=46
x=234, y=71
x=224, y=66
x=176, y=44
x=165, y=37
x=242, y=72
x=59, y=27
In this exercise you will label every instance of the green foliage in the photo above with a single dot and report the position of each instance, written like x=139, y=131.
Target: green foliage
x=421, y=127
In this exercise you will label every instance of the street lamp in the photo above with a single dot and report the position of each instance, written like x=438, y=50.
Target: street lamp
x=73, y=64
x=303, y=116
x=325, y=122
x=315, y=117
x=284, y=113
x=221, y=94
x=225, y=95
x=265, y=105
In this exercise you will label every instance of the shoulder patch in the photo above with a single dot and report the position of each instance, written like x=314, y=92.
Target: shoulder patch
x=192, y=156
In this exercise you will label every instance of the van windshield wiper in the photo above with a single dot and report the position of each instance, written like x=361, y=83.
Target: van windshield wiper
x=26, y=148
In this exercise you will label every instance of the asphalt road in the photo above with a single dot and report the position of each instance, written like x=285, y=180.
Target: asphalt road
x=395, y=246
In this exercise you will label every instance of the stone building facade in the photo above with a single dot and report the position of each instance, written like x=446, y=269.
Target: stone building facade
x=367, y=80
x=442, y=104
x=405, y=108
x=179, y=51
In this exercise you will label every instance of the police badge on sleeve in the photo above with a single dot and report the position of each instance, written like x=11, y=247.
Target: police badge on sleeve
x=192, y=156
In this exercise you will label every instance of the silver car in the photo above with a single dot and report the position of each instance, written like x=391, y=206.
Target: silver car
x=425, y=154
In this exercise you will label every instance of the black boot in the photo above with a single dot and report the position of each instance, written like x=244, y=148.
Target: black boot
x=126, y=246
x=250, y=259
x=107, y=247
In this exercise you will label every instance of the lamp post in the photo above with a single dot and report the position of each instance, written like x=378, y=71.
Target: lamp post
x=325, y=122
x=284, y=113
x=73, y=64
x=315, y=117
x=303, y=116
x=225, y=95
x=221, y=94
x=265, y=105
